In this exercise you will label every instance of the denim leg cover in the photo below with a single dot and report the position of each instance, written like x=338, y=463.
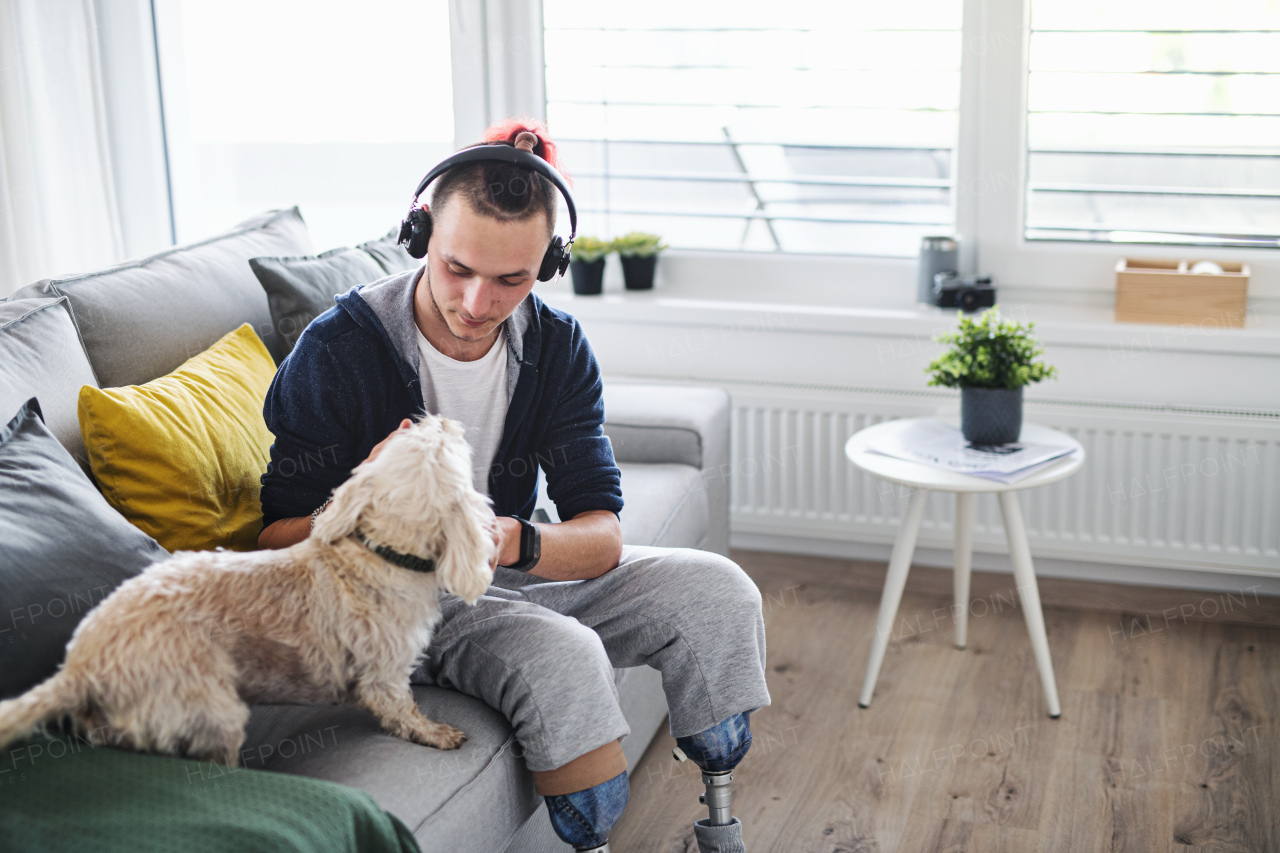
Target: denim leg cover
x=720, y=747
x=584, y=818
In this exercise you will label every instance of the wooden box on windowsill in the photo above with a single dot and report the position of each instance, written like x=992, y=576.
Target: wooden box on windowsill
x=1149, y=291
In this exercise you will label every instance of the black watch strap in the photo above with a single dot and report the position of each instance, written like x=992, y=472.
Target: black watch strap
x=530, y=545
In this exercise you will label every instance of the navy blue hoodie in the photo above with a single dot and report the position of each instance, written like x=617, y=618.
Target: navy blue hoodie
x=353, y=376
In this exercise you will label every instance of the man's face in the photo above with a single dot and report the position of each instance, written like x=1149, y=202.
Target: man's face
x=481, y=270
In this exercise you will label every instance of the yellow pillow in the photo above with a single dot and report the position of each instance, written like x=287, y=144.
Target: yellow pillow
x=180, y=456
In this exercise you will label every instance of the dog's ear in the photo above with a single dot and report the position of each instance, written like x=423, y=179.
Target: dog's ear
x=452, y=427
x=341, y=517
x=463, y=562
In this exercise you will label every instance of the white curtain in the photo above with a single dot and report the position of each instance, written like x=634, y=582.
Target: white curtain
x=58, y=200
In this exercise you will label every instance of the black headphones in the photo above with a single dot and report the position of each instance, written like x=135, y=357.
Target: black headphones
x=415, y=230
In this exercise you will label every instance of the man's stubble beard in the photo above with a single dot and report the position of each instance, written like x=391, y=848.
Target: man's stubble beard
x=431, y=297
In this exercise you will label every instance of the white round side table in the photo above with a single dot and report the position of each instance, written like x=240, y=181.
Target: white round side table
x=922, y=479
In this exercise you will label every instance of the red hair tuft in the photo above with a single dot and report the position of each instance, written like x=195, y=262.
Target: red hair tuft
x=508, y=129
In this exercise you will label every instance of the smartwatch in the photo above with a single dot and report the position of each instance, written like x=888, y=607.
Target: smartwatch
x=530, y=545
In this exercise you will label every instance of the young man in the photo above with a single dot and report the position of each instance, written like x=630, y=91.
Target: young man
x=464, y=337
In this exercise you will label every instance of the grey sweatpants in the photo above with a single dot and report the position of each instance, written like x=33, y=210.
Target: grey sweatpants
x=542, y=652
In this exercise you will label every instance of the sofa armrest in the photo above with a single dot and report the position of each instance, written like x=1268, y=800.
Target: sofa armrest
x=676, y=423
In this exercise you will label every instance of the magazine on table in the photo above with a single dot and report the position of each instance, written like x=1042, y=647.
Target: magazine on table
x=940, y=445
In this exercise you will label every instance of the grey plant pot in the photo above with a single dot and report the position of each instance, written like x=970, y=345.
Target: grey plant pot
x=991, y=416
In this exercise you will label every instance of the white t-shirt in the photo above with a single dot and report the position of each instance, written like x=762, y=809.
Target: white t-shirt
x=474, y=393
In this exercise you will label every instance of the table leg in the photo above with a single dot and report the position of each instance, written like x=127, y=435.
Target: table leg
x=894, y=582
x=1024, y=574
x=964, y=563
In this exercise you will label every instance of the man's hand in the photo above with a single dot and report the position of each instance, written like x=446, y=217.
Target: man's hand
x=290, y=531
x=506, y=540
x=585, y=546
x=377, y=448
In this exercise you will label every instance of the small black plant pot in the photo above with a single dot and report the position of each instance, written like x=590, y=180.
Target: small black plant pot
x=991, y=416
x=637, y=272
x=588, y=276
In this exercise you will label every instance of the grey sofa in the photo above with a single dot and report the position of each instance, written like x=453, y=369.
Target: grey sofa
x=133, y=323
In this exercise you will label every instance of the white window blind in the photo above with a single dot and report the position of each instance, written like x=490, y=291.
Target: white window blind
x=1154, y=122
x=799, y=127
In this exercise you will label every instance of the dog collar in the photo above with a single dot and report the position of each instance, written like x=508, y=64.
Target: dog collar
x=405, y=561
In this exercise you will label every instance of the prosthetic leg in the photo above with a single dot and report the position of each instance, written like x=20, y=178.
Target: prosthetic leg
x=716, y=752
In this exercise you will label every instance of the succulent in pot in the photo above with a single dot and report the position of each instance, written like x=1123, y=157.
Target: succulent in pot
x=639, y=254
x=587, y=266
x=991, y=360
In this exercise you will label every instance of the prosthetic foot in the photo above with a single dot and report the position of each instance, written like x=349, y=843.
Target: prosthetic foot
x=583, y=819
x=717, y=751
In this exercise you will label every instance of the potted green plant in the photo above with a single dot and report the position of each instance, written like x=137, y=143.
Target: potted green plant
x=991, y=359
x=639, y=254
x=587, y=265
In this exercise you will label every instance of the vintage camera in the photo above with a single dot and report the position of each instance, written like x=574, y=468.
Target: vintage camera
x=968, y=293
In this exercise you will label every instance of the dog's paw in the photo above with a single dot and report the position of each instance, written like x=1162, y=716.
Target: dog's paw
x=441, y=737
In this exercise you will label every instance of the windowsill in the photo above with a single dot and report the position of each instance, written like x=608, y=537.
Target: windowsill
x=1081, y=319
x=1056, y=323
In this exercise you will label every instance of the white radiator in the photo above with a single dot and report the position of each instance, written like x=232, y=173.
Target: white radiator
x=1176, y=488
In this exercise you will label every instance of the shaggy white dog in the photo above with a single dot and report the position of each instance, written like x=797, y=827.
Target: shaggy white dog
x=169, y=662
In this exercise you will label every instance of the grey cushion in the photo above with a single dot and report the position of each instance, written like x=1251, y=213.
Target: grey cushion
x=62, y=550
x=537, y=836
x=142, y=319
x=391, y=257
x=664, y=423
x=676, y=423
x=665, y=505
x=41, y=356
x=655, y=443
x=299, y=289
x=471, y=798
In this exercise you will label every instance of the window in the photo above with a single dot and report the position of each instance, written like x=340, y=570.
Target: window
x=1154, y=122
x=1045, y=134
x=271, y=103
x=803, y=127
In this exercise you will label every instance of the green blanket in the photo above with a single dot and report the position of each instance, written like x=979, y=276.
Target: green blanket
x=60, y=794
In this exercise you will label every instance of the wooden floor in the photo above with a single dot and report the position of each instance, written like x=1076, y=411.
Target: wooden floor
x=1167, y=740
